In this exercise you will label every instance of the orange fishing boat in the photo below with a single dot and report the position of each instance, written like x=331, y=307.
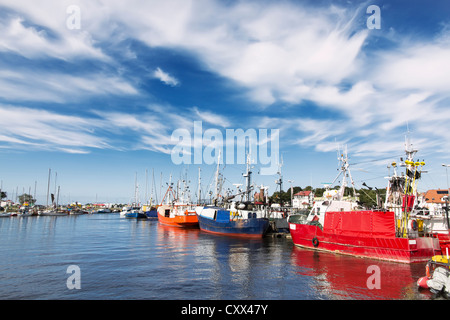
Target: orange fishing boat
x=182, y=215
x=178, y=213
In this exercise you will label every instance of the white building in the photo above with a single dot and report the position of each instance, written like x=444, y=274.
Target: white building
x=303, y=200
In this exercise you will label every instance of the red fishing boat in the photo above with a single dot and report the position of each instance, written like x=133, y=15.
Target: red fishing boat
x=385, y=234
x=177, y=213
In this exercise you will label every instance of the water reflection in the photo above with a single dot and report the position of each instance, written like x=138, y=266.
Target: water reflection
x=129, y=259
x=342, y=277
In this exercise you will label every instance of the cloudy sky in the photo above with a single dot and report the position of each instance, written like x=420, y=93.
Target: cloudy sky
x=95, y=89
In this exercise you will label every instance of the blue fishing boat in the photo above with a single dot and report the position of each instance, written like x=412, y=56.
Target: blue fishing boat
x=241, y=223
x=137, y=214
x=242, y=218
x=132, y=212
x=150, y=211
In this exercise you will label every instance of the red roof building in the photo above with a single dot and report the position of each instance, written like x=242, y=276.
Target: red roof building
x=435, y=196
x=303, y=199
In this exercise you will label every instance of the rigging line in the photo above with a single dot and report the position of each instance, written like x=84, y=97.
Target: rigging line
x=375, y=160
x=363, y=190
x=379, y=177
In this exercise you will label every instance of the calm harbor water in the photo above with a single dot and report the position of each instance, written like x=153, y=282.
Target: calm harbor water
x=121, y=258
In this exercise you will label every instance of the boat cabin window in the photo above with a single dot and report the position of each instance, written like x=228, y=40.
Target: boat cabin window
x=167, y=213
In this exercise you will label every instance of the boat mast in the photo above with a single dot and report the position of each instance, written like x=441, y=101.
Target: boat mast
x=171, y=190
x=48, y=184
x=344, y=170
x=57, y=199
x=199, y=187
x=279, y=181
x=146, y=184
x=135, y=189
x=218, y=182
x=247, y=176
x=153, y=182
x=410, y=190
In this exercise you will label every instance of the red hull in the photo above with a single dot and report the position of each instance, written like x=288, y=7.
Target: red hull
x=364, y=234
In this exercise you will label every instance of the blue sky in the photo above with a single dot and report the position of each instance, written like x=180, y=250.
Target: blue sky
x=98, y=102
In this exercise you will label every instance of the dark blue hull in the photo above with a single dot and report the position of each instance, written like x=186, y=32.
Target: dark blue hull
x=152, y=213
x=254, y=227
x=136, y=215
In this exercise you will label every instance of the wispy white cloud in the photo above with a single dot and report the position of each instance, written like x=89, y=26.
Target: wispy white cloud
x=272, y=49
x=34, y=41
x=418, y=66
x=277, y=53
x=165, y=77
x=37, y=129
x=152, y=128
x=55, y=86
x=211, y=118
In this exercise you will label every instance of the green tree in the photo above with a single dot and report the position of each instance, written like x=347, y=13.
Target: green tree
x=284, y=197
x=26, y=198
x=368, y=198
x=319, y=192
x=3, y=195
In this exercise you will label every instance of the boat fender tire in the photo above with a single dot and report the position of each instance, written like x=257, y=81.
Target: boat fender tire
x=315, y=242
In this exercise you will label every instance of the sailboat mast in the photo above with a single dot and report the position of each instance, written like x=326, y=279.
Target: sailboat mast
x=57, y=198
x=135, y=188
x=48, y=184
x=217, y=178
x=153, y=182
x=199, y=187
x=146, y=187
x=247, y=176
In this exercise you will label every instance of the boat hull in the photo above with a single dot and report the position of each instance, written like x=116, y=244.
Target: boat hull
x=153, y=213
x=251, y=228
x=357, y=241
x=136, y=215
x=181, y=221
x=54, y=214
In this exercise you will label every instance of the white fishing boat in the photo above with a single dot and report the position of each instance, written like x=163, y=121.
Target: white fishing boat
x=103, y=210
x=77, y=212
x=127, y=210
x=53, y=212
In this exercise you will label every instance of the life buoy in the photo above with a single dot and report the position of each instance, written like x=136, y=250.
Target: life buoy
x=315, y=242
x=414, y=225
